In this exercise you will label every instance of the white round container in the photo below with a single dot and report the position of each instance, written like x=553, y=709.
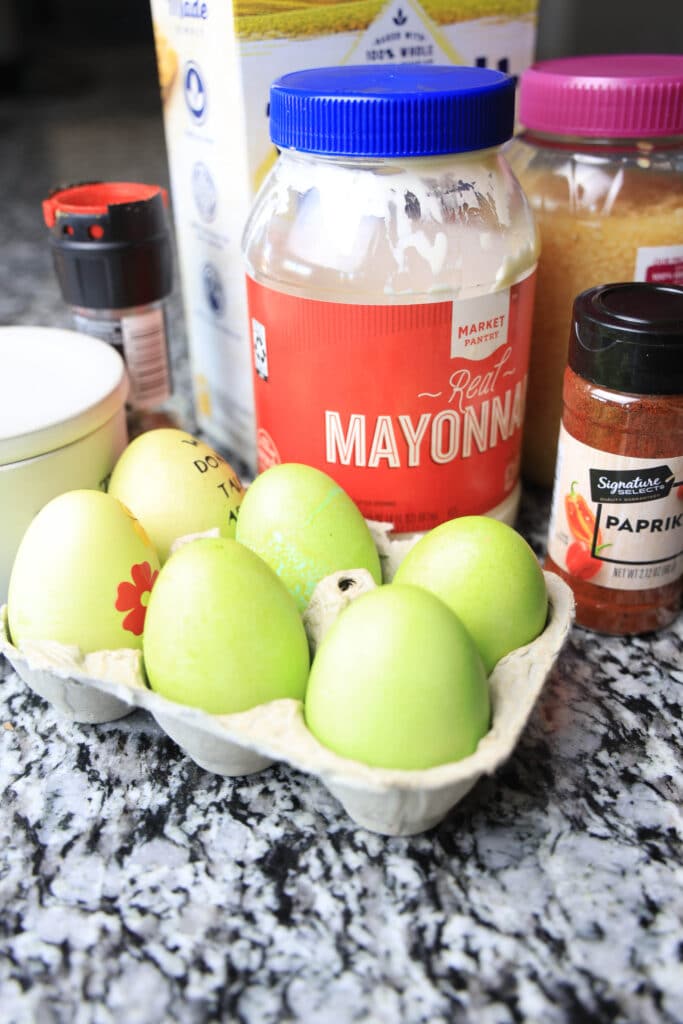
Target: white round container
x=62, y=423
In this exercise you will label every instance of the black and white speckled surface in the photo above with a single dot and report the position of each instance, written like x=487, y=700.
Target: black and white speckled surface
x=137, y=888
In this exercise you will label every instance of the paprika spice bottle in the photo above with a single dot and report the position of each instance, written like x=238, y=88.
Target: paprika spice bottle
x=616, y=523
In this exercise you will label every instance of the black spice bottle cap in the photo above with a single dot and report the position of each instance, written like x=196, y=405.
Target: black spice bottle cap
x=629, y=337
x=110, y=243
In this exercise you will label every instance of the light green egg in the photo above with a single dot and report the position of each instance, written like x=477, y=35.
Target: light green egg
x=306, y=527
x=176, y=485
x=222, y=631
x=82, y=575
x=488, y=575
x=398, y=683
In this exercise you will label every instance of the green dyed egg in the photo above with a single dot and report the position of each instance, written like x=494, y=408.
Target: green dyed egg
x=488, y=575
x=306, y=527
x=398, y=683
x=222, y=631
x=82, y=575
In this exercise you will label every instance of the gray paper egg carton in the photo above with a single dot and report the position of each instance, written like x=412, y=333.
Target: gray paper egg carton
x=107, y=685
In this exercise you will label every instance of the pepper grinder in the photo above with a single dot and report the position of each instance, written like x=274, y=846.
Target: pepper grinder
x=111, y=250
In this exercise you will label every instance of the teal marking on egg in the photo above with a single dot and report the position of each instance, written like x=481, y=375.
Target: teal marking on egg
x=305, y=526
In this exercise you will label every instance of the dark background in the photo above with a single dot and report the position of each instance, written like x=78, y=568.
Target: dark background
x=79, y=101
x=33, y=31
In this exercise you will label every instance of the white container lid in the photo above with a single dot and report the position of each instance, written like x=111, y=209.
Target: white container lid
x=57, y=386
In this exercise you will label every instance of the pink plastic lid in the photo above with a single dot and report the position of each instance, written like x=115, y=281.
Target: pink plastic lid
x=616, y=96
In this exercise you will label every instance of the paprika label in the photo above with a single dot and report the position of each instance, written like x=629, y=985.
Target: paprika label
x=616, y=520
x=415, y=409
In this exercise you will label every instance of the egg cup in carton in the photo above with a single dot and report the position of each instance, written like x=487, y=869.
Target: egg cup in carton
x=107, y=685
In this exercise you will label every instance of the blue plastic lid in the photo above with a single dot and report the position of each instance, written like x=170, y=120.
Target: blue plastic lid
x=393, y=110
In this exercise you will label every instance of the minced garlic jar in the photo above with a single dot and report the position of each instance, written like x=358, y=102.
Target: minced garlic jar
x=601, y=160
x=390, y=260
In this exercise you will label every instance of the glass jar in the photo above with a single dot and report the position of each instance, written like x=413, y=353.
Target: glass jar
x=601, y=160
x=390, y=260
x=616, y=524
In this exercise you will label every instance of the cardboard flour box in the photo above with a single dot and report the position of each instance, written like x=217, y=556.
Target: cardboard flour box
x=216, y=62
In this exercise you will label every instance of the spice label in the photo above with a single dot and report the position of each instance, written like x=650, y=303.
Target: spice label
x=145, y=350
x=141, y=340
x=616, y=521
x=659, y=264
x=416, y=410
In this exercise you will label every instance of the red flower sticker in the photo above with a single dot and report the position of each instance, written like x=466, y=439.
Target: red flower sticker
x=130, y=596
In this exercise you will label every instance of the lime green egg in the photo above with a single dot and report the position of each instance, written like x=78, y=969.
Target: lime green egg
x=222, y=632
x=488, y=575
x=82, y=575
x=398, y=683
x=305, y=526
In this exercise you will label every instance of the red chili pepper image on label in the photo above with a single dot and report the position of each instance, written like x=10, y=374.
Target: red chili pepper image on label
x=580, y=562
x=580, y=518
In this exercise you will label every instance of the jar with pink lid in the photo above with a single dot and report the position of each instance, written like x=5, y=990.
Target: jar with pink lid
x=600, y=157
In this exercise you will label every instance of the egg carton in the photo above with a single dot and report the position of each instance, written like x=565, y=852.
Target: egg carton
x=104, y=686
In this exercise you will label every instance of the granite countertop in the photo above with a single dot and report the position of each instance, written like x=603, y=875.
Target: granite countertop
x=137, y=887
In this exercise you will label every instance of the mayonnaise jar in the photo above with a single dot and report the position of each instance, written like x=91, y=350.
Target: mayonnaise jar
x=390, y=258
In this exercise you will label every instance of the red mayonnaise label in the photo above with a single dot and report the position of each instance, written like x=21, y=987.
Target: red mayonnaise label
x=415, y=410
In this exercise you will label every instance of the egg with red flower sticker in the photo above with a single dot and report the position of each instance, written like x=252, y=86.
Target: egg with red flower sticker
x=82, y=575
